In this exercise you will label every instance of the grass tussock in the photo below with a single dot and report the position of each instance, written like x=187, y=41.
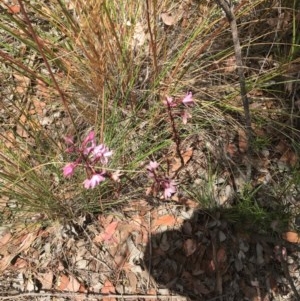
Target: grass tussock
x=72, y=66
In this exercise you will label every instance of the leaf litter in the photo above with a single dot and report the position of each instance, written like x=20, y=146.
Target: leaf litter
x=189, y=256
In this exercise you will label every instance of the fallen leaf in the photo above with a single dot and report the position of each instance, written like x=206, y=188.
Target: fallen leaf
x=22, y=83
x=151, y=291
x=186, y=156
x=21, y=244
x=108, y=288
x=38, y=106
x=168, y=18
x=46, y=280
x=289, y=158
x=14, y=9
x=281, y=147
x=231, y=150
x=63, y=282
x=5, y=239
x=165, y=220
x=73, y=285
x=139, y=36
x=20, y=264
x=132, y=281
x=292, y=237
x=107, y=236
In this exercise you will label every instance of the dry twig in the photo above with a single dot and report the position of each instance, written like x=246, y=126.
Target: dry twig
x=239, y=62
x=228, y=9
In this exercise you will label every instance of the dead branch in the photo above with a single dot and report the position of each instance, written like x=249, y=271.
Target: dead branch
x=228, y=9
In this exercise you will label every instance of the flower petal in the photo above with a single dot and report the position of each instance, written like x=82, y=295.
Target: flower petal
x=68, y=170
x=188, y=99
x=93, y=181
x=89, y=138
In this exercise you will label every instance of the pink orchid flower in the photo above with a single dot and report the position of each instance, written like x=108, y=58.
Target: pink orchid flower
x=169, y=102
x=89, y=140
x=188, y=99
x=68, y=170
x=169, y=188
x=93, y=181
x=69, y=140
x=151, y=167
x=185, y=116
x=101, y=152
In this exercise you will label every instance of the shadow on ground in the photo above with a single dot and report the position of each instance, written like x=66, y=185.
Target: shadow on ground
x=210, y=259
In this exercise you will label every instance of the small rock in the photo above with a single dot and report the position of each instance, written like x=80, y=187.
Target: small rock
x=222, y=236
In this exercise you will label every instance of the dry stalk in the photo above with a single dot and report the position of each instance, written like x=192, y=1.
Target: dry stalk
x=41, y=51
x=229, y=12
x=239, y=61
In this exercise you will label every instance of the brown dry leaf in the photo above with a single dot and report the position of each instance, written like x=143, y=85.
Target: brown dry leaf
x=43, y=91
x=22, y=83
x=188, y=202
x=107, y=236
x=281, y=147
x=289, y=157
x=46, y=279
x=151, y=291
x=38, y=107
x=169, y=19
x=14, y=9
x=21, y=130
x=186, y=157
x=126, y=229
x=63, y=282
x=17, y=245
x=243, y=141
x=139, y=36
x=164, y=220
x=5, y=260
x=119, y=260
x=9, y=140
x=108, y=288
x=20, y=264
x=132, y=281
x=105, y=220
x=82, y=288
x=231, y=150
x=73, y=285
x=292, y=237
x=190, y=246
x=4, y=239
